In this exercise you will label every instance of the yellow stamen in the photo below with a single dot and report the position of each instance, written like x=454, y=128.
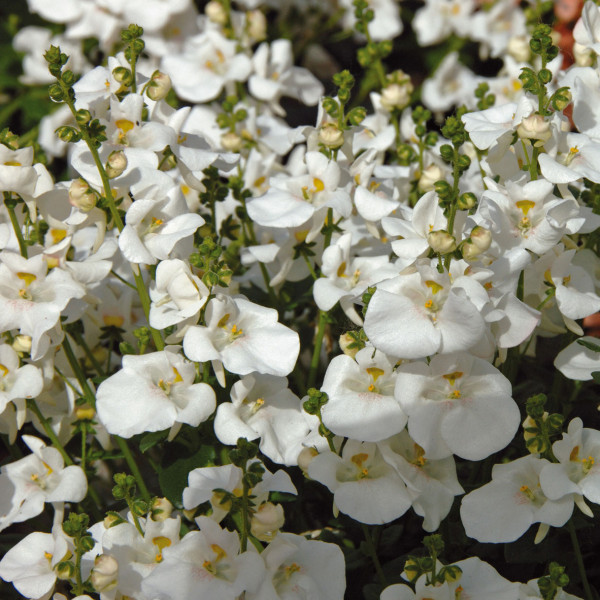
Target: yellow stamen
x=318, y=185
x=525, y=205
x=12, y=163
x=341, y=272
x=27, y=278
x=178, y=377
x=3, y=371
x=375, y=372
x=258, y=182
x=58, y=235
x=124, y=125
x=359, y=459
x=428, y=304
x=452, y=377
x=113, y=320
x=434, y=286
x=223, y=321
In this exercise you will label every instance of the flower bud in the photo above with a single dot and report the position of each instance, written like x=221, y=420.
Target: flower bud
x=22, y=343
x=518, y=48
x=441, y=241
x=429, y=176
x=216, y=12
x=85, y=412
x=159, y=86
x=104, y=574
x=331, y=136
x=65, y=570
x=466, y=201
x=305, y=458
x=345, y=341
x=583, y=56
x=116, y=163
x=396, y=95
x=481, y=237
x=112, y=519
x=81, y=196
x=534, y=127
x=469, y=250
x=267, y=521
x=161, y=509
x=231, y=141
x=256, y=25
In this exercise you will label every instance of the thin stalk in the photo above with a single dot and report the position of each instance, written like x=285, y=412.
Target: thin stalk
x=130, y=460
x=310, y=267
x=329, y=232
x=373, y=554
x=83, y=344
x=579, y=558
x=83, y=445
x=34, y=408
x=245, y=521
x=145, y=300
x=314, y=363
x=79, y=580
x=81, y=378
x=123, y=280
x=15, y=224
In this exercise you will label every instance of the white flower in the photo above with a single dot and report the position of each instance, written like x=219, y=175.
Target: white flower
x=577, y=361
x=263, y=406
x=30, y=564
x=457, y=404
x=176, y=294
x=364, y=486
x=244, y=337
x=205, y=563
x=504, y=509
x=153, y=392
x=361, y=397
x=300, y=568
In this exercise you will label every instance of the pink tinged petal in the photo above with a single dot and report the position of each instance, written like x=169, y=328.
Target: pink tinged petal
x=229, y=427
x=497, y=512
x=399, y=327
x=424, y=425
x=460, y=324
x=128, y=404
x=480, y=426
x=556, y=483
x=198, y=346
x=278, y=208
x=373, y=501
x=72, y=486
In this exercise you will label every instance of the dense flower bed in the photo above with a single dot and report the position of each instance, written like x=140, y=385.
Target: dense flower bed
x=266, y=342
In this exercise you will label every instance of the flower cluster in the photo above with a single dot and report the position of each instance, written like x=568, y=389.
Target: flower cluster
x=388, y=302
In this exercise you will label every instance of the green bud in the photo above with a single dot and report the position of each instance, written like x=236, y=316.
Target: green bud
x=561, y=98
x=64, y=570
x=545, y=76
x=466, y=201
x=56, y=93
x=83, y=116
x=357, y=115
x=330, y=106
x=447, y=152
x=87, y=543
x=464, y=162
x=123, y=76
x=68, y=134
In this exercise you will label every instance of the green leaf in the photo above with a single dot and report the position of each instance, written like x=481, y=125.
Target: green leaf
x=149, y=440
x=174, y=471
x=589, y=345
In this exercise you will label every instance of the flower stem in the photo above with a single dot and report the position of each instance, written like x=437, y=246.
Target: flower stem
x=130, y=460
x=34, y=408
x=579, y=558
x=16, y=227
x=78, y=371
x=314, y=363
x=373, y=554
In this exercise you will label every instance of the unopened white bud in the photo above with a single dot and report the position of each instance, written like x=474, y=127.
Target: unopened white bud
x=216, y=12
x=518, y=48
x=161, y=509
x=267, y=521
x=231, y=141
x=305, y=458
x=345, y=341
x=429, y=176
x=22, y=343
x=583, y=55
x=159, y=86
x=331, y=136
x=481, y=237
x=104, y=574
x=256, y=25
x=534, y=127
x=469, y=250
x=116, y=163
x=396, y=94
x=81, y=196
x=441, y=241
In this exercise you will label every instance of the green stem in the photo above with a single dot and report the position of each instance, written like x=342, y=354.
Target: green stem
x=329, y=230
x=83, y=344
x=34, y=408
x=17, y=228
x=123, y=280
x=130, y=460
x=79, y=586
x=310, y=267
x=83, y=445
x=78, y=371
x=314, y=363
x=373, y=554
x=245, y=520
x=145, y=300
x=579, y=558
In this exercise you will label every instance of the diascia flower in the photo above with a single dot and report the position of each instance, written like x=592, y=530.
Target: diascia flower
x=153, y=392
x=207, y=564
x=418, y=314
x=38, y=478
x=243, y=337
x=364, y=486
x=457, y=404
x=361, y=397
